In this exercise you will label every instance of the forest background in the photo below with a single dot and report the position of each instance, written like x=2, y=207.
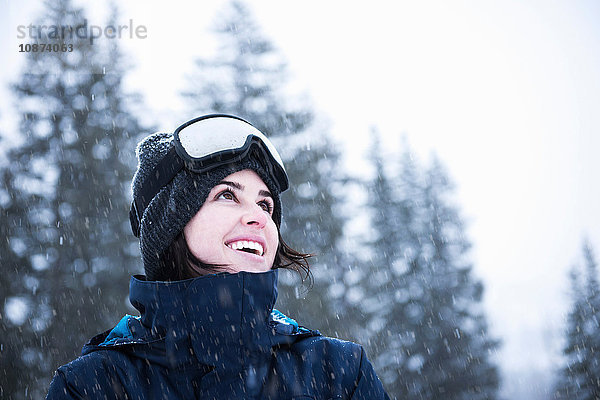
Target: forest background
x=502, y=94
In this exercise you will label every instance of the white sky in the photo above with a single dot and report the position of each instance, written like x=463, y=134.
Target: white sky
x=506, y=93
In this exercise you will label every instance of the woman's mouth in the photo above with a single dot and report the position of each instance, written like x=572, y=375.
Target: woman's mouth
x=247, y=246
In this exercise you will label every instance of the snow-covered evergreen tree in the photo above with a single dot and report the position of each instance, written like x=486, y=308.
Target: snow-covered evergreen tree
x=452, y=334
x=429, y=335
x=247, y=77
x=13, y=371
x=380, y=287
x=69, y=247
x=580, y=377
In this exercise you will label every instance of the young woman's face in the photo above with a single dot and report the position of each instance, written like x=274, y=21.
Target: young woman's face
x=234, y=227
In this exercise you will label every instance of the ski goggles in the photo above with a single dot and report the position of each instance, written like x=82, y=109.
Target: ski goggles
x=203, y=144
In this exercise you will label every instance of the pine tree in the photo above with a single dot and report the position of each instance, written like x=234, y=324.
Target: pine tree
x=580, y=377
x=247, y=77
x=429, y=335
x=394, y=203
x=453, y=331
x=11, y=339
x=69, y=248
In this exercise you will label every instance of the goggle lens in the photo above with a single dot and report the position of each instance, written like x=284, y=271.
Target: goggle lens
x=203, y=144
x=219, y=135
x=214, y=135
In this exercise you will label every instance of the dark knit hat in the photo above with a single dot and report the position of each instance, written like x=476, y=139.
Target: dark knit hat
x=177, y=202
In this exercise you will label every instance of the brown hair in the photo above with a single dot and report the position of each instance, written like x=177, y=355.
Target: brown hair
x=179, y=263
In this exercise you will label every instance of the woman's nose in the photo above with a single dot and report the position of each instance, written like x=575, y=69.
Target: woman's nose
x=255, y=216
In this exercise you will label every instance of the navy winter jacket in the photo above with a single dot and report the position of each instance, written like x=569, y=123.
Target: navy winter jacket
x=214, y=337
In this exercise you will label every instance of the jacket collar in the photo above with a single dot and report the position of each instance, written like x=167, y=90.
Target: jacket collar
x=221, y=320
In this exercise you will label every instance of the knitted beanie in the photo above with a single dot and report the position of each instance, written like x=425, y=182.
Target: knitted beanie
x=177, y=202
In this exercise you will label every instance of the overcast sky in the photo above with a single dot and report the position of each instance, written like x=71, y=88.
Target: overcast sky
x=506, y=93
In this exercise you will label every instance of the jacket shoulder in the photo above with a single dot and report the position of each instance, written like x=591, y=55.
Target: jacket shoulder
x=91, y=376
x=337, y=367
x=318, y=367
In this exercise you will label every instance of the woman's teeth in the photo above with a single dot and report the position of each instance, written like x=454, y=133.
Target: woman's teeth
x=248, y=246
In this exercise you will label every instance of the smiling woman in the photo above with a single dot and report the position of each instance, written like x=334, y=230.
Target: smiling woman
x=246, y=232
x=234, y=228
x=207, y=211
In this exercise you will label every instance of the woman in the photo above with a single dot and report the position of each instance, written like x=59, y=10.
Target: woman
x=207, y=211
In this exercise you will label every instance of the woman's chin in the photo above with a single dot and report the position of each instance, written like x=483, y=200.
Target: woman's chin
x=248, y=262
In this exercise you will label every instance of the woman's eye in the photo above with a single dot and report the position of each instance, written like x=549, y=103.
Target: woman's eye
x=226, y=195
x=266, y=206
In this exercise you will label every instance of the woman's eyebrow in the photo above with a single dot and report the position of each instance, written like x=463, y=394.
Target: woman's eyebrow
x=234, y=185
x=265, y=193
x=238, y=186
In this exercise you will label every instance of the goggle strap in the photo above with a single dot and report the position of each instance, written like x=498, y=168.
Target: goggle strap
x=161, y=175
